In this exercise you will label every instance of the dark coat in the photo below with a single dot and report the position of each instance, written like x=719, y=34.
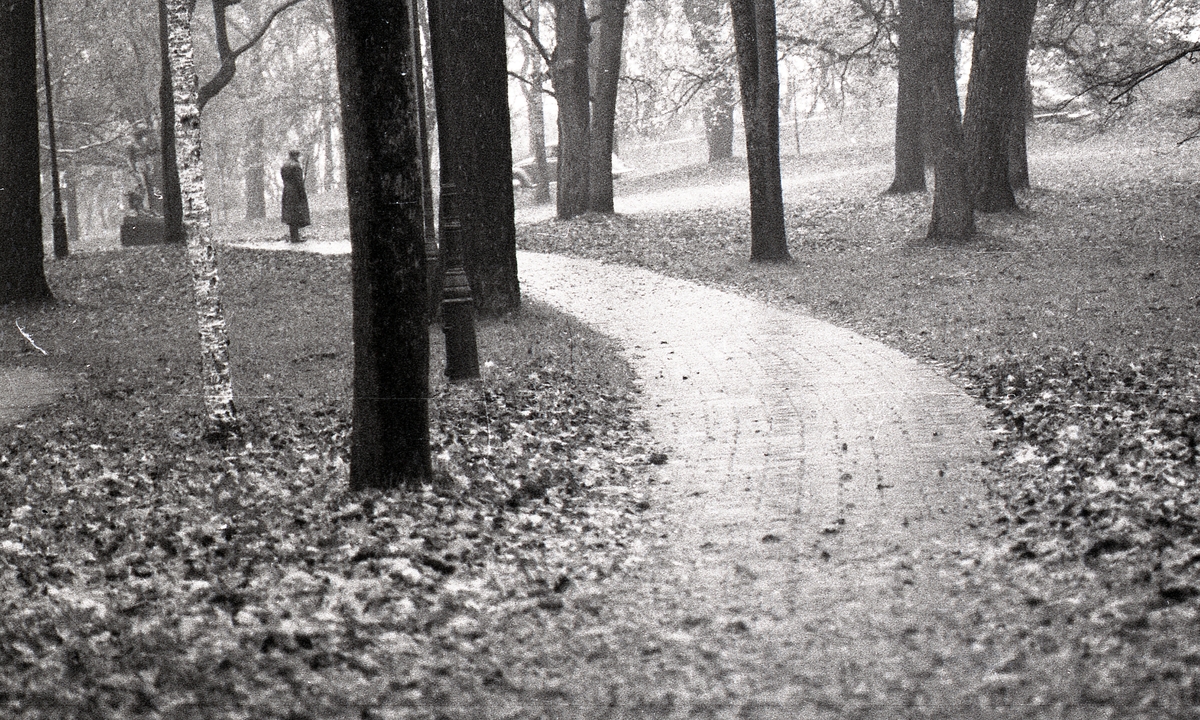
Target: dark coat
x=295, y=199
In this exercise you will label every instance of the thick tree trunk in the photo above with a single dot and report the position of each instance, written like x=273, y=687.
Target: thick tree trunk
x=1018, y=150
x=910, y=155
x=172, y=198
x=758, y=68
x=470, y=78
x=953, y=218
x=607, y=72
x=569, y=69
x=1002, y=30
x=381, y=133
x=201, y=249
x=256, y=200
x=22, y=257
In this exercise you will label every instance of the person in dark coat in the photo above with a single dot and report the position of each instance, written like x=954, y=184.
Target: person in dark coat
x=295, y=199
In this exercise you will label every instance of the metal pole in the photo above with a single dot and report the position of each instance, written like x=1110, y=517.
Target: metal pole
x=458, y=308
x=61, y=248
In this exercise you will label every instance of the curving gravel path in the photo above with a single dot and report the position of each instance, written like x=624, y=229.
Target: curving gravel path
x=816, y=521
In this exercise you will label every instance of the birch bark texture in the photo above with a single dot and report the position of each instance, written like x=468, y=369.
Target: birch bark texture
x=221, y=418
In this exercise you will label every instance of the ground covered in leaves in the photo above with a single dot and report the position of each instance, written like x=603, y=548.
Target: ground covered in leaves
x=145, y=572
x=1077, y=320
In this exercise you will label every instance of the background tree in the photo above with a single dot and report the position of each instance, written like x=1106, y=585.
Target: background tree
x=471, y=92
x=201, y=249
x=758, y=70
x=995, y=92
x=606, y=64
x=390, y=436
x=22, y=273
x=227, y=55
x=569, y=72
x=909, y=150
x=528, y=21
x=953, y=218
x=708, y=25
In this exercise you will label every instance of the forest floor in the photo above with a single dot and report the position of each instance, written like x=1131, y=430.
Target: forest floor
x=146, y=573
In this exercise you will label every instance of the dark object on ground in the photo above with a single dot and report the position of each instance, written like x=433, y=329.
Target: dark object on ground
x=657, y=458
x=142, y=230
x=295, y=200
x=524, y=172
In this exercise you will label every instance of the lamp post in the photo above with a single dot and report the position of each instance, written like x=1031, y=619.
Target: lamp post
x=458, y=308
x=61, y=248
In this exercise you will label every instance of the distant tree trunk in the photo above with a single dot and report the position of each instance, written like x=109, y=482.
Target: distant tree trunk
x=172, y=197
x=256, y=201
x=1001, y=45
x=607, y=66
x=329, y=176
x=705, y=21
x=953, y=219
x=758, y=68
x=71, y=197
x=22, y=258
x=910, y=155
x=537, y=109
x=1018, y=151
x=201, y=249
x=433, y=253
x=718, y=120
x=537, y=136
x=569, y=69
x=390, y=440
x=470, y=77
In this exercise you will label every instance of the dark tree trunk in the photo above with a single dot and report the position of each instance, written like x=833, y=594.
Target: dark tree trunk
x=705, y=21
x=71, y=198
x=910, y=154
x=758, y=68
x=607, y=59
x=22, y=258
x=1018, y=151
x=953, y=218
x=256, y=202
x=173, y=231
x=390, y=440
x=569, y=68
x=470, y=79
x=1002, y=29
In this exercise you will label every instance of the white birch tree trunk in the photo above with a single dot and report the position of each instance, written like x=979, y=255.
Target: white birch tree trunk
x=201, y=250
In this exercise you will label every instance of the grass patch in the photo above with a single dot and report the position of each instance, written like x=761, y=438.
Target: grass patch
x=147, y=573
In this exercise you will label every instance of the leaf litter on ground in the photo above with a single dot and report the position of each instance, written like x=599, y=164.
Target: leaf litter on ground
x=145, y=572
